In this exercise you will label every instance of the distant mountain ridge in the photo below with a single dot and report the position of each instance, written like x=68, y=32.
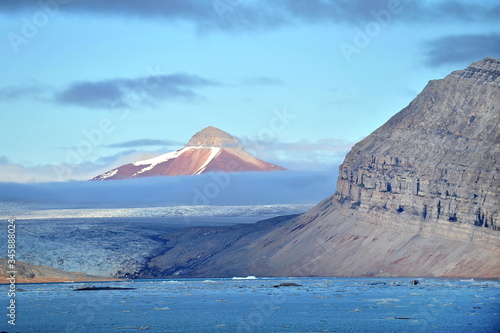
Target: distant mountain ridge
x=209, y=150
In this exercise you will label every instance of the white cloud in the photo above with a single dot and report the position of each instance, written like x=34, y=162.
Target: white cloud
x=323, y=154
x=19, y=173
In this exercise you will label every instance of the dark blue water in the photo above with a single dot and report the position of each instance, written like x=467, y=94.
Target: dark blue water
x=227, y=305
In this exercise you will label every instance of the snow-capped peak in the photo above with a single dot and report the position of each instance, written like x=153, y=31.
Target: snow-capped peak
x=209, y=150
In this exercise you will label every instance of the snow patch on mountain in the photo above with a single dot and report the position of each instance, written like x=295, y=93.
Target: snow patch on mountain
x=152, y=162
x=109, y=174
x=215, y=151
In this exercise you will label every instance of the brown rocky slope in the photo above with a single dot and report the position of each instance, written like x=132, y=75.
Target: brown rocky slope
x=25, y=273
x=420, y=196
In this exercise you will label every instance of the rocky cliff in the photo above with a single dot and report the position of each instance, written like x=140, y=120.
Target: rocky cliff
x=437, y=161
x=42, y=274
x=420, y=196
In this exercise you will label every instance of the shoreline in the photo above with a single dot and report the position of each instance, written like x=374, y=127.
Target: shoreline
x=59, y=280
x=79, y=280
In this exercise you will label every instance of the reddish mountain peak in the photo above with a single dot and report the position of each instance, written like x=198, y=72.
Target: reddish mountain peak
x=208, y=150
x=213, y=137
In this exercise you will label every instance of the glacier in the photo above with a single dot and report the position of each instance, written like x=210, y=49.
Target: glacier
x=116, y=242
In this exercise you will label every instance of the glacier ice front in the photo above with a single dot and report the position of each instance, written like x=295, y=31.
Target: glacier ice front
x=117, y=242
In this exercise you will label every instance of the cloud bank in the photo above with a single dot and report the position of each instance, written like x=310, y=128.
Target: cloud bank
x=218, y=188
x=263, y=81
x=300, y=155
x=144, y=143
x=462, y=49
x=261, y=14
x=118, y=92
x=21, y=91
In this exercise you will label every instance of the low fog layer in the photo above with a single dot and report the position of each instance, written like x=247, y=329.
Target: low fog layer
x=218, y=188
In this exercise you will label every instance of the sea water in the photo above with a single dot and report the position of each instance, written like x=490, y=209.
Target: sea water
x=256, y=305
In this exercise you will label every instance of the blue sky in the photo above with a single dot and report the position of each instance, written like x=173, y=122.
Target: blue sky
x=89, y=85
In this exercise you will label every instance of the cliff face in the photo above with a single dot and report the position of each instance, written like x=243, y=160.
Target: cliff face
x=420, y=196
x=436, y=162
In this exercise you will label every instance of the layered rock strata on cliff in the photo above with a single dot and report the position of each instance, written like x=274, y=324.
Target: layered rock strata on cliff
x=437, y=162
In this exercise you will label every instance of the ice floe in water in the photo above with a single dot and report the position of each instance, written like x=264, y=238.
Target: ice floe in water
x=250, y=277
